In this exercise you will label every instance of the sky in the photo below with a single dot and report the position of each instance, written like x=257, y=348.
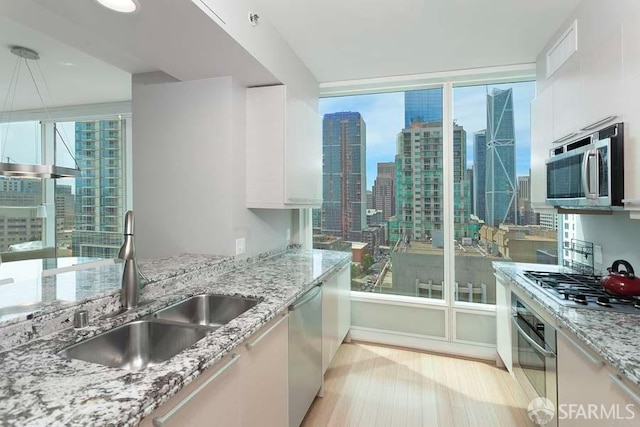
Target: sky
x=384, y=118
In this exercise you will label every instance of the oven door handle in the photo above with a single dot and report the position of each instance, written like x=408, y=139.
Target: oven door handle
x=535, y=345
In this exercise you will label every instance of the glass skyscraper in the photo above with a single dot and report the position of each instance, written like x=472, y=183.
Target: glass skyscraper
x=501, y=184
x=100, y=188
x=479, y=173
x=344, y=206
x=422, y=106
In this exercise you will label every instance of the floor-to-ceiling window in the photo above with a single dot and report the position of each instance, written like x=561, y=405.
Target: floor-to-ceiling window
x=390, y=211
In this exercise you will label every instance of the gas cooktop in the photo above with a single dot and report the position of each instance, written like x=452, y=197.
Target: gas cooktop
x=581, y=291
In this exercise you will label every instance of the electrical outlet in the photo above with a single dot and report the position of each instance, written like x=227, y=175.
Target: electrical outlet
x=288, y=234
x=241, y=246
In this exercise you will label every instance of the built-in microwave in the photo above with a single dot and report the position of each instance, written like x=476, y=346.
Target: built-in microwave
x=588, y=172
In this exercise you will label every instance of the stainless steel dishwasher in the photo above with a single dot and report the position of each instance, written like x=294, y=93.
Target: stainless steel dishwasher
x=305, y=353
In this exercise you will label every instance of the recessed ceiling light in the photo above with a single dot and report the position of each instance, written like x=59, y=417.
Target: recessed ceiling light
x=124, y=6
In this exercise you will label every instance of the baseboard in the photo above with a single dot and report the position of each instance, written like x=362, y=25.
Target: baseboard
x=421, y=343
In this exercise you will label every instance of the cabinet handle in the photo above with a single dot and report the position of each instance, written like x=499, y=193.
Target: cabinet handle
x=309, y=296
x=618, y=381
x=161, y=421
x=597, y=362
x=251, y=345
x=598, y=123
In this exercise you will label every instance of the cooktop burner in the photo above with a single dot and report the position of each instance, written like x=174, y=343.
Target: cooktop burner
x=582, y=291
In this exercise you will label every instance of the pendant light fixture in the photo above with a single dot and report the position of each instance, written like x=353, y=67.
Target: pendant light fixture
x=12, y=169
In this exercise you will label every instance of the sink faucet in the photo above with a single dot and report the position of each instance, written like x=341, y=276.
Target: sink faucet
x=131, y=274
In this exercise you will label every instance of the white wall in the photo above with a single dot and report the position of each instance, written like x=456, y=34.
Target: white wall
x=618, y=235
x=188, y=171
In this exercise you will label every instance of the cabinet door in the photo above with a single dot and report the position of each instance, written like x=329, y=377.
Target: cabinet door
x=584, y=381
x=567, y=105
x=265, y=380
x=503, y=322
x=601, y=78
x=303, y=154
x=541, y=142
x=213, y=399
x=265, y=146
x=330, y=339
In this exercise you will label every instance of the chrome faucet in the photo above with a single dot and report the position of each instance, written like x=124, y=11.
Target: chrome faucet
x=131, y=275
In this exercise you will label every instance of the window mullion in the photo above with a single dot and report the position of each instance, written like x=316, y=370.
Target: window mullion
x=447, y=182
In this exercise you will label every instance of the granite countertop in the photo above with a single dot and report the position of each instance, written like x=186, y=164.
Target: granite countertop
x=613, y=335
x=37, y=387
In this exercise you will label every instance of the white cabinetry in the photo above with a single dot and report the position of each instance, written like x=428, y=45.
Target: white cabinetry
x=265, y=383
x=503, y=321
x=601, y=76
x=567, y=111
x=541, y=143
x=247, y=388
x=336, y=313
x=284, y=150
x=213, y=399
x=586, y=383
x=631, y=85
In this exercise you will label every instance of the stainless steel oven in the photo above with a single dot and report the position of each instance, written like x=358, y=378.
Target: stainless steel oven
x=588, y=172
x=534, y=352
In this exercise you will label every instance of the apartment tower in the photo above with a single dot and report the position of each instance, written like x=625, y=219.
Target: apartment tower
x=384, y=192
x=344, y=203
x=100, y=189
x=420, y=183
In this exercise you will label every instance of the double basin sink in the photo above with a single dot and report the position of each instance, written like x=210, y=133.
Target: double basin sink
x=161, y=335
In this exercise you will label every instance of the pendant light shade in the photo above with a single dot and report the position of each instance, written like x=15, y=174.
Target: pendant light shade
x=11, y=169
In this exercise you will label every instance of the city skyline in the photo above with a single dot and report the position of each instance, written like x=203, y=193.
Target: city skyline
x=385, y=117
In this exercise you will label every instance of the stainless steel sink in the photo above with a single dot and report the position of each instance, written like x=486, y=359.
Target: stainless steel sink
x=206, y=310
x=135, y=345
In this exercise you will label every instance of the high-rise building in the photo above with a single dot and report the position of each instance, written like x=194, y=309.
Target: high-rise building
x=100, y=189
x=419, y=184
x=526, y=214
x=479, y=173
x=501, y=191
x=384, y=192
x=344, y=203
x=422, y=106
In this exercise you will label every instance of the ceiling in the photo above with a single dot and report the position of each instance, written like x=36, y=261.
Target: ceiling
x=89, y=53
x=356, y=39
x=73, y=77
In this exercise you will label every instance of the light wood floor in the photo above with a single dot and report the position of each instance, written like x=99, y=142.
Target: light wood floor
x=370, y=385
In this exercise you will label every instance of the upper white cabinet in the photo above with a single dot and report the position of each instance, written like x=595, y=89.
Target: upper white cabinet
x=631, y=89
x=602, y=79
x=567, y=110
x=541, y=142
x=284, y=150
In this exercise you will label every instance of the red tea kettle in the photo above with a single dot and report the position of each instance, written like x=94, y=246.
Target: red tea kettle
x=624, y=283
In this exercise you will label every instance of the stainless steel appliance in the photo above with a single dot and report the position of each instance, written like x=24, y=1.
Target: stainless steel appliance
x=588, y=172
x=581, y=291
x=534, y=353
x=305, y=353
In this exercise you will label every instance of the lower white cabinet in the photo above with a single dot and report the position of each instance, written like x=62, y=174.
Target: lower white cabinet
x=336, y=313
x=590, y=392
x=249, y=387
x=213, y=399
x=265, y=382
x=503, y=321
